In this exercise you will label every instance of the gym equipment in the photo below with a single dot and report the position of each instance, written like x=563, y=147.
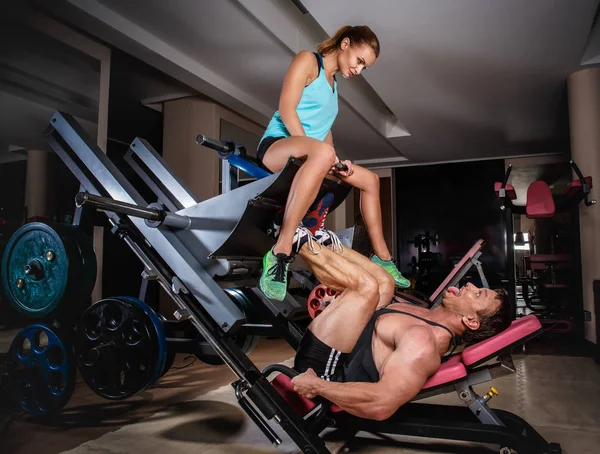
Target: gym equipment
x=321, y=297
x=196, y=249
x=426, y=260
x=41, y=370
x=541, y=203
x=43, y=265
x=475, y=421
x=120, y=346
x=469, y=260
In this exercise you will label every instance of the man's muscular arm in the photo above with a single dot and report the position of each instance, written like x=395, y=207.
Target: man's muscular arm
x=404, y=374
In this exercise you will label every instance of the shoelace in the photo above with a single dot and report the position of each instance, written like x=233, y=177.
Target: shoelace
x=278, y=270
x=311, y=240
x=335, y=240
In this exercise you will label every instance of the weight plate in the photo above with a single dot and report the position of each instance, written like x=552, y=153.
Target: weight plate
x=43, y=265
x=35, y=269
x=41, y=370
x=245, y=342
x=120, y=347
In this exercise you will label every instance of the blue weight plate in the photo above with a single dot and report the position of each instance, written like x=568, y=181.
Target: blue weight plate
x=35, y=269
x=41, y=370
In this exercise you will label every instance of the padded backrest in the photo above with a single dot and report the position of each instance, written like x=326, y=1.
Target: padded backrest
x=510, y=190
x=540, y=203
x=517, y=333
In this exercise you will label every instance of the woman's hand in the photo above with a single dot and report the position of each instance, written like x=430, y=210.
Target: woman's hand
x=344, y=173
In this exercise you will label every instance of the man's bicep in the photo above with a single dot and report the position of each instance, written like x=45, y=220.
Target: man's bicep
x=405, y=373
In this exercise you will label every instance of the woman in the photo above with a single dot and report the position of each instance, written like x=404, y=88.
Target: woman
x=302, y=128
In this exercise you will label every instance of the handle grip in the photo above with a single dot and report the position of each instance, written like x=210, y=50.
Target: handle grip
x=341, y=167
x=217, y=145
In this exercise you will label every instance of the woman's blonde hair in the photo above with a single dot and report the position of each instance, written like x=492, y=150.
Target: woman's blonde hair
x=358, y=34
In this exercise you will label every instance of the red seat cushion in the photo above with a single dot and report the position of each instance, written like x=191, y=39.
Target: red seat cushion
x=450, y=371
x=540, y=203
x=510, y=190
x=575, y=187
x=283, y=385
x=518, y=331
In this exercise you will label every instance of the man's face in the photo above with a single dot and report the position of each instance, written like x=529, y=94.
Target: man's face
x=469, y=301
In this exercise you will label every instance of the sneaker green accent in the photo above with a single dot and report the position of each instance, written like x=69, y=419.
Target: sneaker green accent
x=273, y=281
x=390, y=267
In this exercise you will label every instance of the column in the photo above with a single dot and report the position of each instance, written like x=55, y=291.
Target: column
x=584, y=115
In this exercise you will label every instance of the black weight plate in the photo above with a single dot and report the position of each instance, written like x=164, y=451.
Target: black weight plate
x=246, y=342
x=120, y=347
x=41, y=370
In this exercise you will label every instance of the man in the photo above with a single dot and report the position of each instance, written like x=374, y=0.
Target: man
x=370, y=355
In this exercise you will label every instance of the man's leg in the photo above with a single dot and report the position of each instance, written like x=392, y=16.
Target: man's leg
x=386, y=283
x=341, y=324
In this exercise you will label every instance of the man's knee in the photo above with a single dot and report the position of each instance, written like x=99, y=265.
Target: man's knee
x=368, y=286
x=386, y=283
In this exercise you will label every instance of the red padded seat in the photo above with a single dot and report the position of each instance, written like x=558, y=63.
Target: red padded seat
x=540, y=203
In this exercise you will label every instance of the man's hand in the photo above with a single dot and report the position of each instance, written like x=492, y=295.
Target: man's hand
x=307, y=384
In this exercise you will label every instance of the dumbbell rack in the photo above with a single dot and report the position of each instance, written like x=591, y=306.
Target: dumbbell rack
x=188, y=250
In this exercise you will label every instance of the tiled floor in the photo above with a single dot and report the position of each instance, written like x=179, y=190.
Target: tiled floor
x=558, y=395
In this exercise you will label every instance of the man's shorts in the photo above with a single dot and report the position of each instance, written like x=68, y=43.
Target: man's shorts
x=327, y=362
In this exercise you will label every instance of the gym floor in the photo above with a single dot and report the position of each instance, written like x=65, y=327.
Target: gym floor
x=193, y=409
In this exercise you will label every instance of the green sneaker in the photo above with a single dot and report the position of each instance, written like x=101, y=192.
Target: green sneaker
x=273, y=281
x=390, y=267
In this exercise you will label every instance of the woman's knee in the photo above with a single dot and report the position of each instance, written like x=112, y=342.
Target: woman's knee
x=323, y=154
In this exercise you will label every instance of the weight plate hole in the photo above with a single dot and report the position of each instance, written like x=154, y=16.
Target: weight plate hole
x=112, y=317
x=56, y=382
x=55, y=356
x=132, y=331
x=40, y=341
x=92, y=327
x=25, y=348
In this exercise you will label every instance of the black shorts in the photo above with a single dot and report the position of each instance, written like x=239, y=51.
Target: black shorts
x=264, y=146
x=327, y=362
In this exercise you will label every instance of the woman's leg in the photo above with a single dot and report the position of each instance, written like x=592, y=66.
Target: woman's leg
x=320, y=157
x=370, y=207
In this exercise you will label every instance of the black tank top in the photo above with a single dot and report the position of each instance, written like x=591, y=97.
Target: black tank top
x=360, y=365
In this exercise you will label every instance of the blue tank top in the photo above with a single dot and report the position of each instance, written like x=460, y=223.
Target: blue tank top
x=317, y=109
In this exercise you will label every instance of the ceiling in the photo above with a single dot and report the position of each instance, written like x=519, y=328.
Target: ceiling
x=456, y=80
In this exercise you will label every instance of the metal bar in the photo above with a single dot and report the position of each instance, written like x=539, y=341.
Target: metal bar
x=158, y=176
x=221, y=147
x=108, y=204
